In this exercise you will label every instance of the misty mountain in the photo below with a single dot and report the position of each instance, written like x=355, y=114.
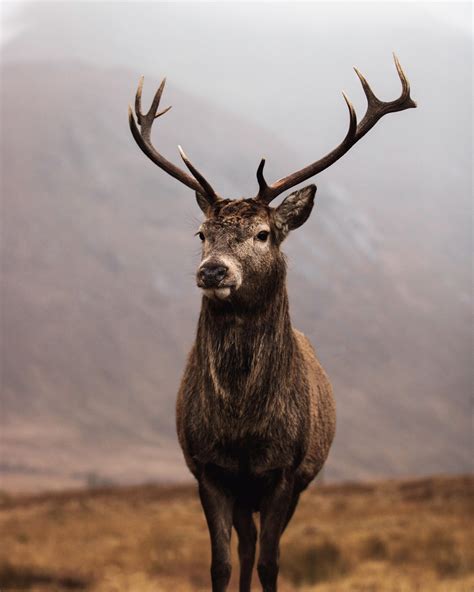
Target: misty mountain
x=99, y=299
x=99, y=303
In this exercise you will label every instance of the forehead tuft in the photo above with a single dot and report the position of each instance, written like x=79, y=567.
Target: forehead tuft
x=239, y=211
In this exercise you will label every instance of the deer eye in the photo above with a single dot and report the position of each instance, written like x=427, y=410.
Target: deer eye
x=201, y=236
x=263, y=235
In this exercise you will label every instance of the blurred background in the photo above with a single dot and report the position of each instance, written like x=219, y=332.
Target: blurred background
x=98, y=301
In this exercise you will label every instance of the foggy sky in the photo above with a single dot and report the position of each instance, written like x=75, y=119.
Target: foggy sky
x=282, y=65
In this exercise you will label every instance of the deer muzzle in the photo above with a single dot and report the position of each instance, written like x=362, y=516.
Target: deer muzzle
x=218, y=277
x=211, y=275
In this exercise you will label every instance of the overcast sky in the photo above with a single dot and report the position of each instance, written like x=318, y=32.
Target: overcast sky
x=281, y=66
x=241, y=54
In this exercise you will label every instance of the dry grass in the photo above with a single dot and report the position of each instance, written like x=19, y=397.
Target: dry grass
x=389, y=537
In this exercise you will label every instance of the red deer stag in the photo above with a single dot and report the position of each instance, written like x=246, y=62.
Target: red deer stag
x=255, y=410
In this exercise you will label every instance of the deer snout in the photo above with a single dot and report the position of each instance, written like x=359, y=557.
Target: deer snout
x=210, y=275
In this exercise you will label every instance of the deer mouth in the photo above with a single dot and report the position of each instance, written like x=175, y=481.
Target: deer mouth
x=220, y=293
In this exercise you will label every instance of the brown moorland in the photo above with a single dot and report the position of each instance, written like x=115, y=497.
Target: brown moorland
x=390, y=536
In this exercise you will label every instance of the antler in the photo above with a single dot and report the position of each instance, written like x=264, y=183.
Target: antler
x=142, y=138
x=376, y=109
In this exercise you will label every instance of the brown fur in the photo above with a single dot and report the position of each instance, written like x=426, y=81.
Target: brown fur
x=255, y=411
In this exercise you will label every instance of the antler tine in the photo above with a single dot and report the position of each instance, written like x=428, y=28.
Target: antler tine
x=403, y=79
x=371, y=98
x=142, y=138
x=156, y=102
x=376, y=109
x=201, y=180
x=353, y=120
x=138, y=100
x=260, y=178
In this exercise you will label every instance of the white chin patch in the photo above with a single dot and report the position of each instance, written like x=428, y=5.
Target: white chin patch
x=220, y=293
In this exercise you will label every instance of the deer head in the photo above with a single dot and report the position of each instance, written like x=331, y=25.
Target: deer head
x=241, y=238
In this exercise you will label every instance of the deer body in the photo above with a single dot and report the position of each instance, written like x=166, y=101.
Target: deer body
x=252, y=395
x=249, y=424
x=255, y=410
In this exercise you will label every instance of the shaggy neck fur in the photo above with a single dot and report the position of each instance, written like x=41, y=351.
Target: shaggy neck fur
x=242, y=351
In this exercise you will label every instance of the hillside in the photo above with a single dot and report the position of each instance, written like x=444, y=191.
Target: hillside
x=99, y=303
x=392, y=536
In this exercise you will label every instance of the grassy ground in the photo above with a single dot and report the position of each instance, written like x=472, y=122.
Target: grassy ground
x=397, y=536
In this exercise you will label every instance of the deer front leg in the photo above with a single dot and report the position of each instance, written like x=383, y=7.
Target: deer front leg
x=274, y=509
x=218, y=507
x=245, y=527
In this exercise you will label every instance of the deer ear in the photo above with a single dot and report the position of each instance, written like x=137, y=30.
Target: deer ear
x=295, y=209
x=203, y=203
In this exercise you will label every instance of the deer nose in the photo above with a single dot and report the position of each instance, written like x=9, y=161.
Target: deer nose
x=211, y=274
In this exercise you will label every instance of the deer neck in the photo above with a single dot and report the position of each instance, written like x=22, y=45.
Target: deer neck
x=243, y=349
